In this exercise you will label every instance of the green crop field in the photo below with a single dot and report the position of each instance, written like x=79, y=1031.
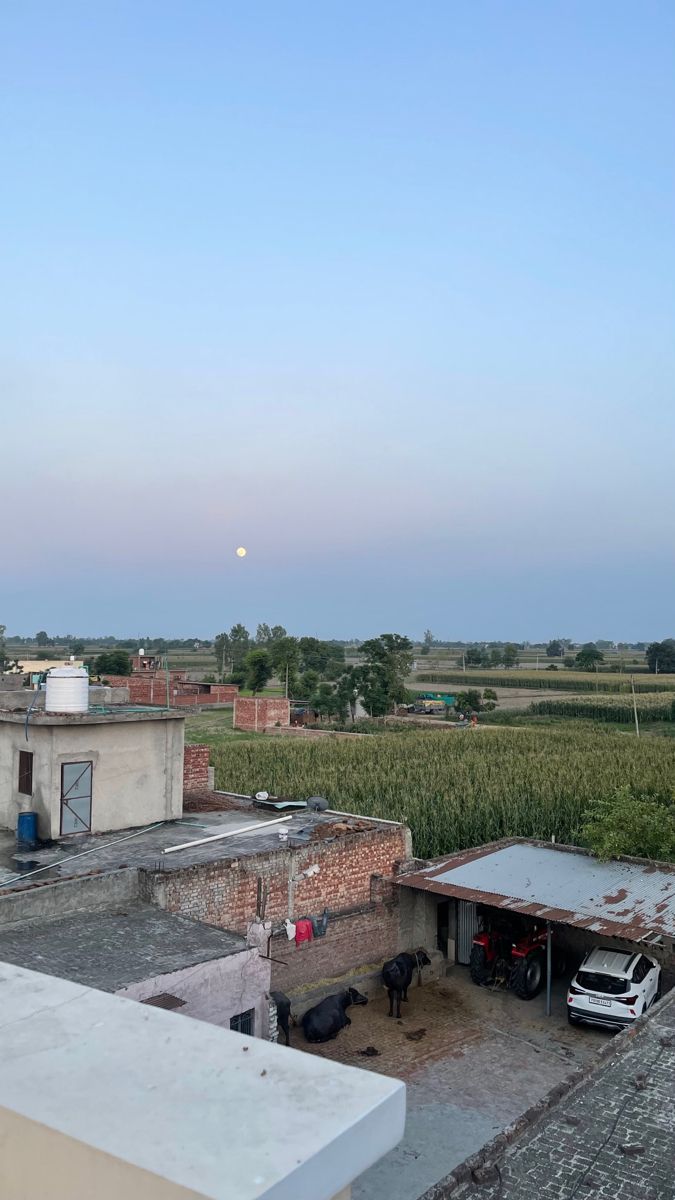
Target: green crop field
x=568, y=681
x=456, y=789
x=651, y=706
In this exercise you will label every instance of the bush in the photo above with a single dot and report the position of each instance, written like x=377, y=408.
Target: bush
x=627, y=822
x=237, y=676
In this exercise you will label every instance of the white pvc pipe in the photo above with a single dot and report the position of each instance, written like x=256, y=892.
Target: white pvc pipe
x=218, y=837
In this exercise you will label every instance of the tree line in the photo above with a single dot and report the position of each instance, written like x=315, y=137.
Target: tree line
x=315, y=671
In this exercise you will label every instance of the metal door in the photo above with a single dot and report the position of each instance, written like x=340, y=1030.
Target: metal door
x=76, y=797
x=467, y=925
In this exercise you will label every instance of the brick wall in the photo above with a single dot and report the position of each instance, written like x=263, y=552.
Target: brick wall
x=352, y=940
x=354, y=883
x=143, y=689
x=255, y=712
x=148, y=688
x=195, y=767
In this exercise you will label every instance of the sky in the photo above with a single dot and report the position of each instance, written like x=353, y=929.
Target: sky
x=383, y=292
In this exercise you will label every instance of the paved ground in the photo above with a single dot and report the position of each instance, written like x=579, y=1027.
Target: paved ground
x=612, y=1139
x=472, y=1059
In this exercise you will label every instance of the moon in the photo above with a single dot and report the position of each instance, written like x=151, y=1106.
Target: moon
x=241, y=552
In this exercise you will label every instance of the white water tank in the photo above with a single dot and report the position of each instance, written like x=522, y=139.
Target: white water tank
x=67, y=690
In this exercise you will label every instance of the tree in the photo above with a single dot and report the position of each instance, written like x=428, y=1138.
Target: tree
x=469, y=701
x=325, y=657
x=510, y=655
x=263, y=635
x=373, y=687
x=348, y=692
x=258, y=667
x=77, y=649
x=277, y=632
x=427, y=642
x=113, y=662
x=325, y=701
x=309, y=682
x=387, y=663
x=588, y=657
x=661, y=657
x=629, y=823
x=496, y=658
x=221, y=646
x=240, y=644
x=568, y=661
x=285, y=656
x=476, y=656
x=555, y=648
x=42, y=638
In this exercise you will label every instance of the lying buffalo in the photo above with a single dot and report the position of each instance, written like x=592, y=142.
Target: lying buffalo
x=397, y=975
x=328, y=1017
x=283, y=1013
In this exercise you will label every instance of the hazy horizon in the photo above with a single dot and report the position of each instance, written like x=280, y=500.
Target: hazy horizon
x=385, y=296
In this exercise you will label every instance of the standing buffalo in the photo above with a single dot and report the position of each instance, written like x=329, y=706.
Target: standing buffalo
x=283, y=1013
x=328, y=1017
x=397, y=975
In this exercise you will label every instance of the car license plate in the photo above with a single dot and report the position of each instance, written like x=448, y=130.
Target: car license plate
x=598, y=1000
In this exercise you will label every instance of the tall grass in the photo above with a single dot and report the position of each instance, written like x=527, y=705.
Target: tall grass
x=456, y=789
x=568, y=681
x=651, y=706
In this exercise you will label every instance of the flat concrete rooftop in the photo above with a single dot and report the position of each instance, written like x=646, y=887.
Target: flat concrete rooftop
x=139, y=848
x=102, y=1096
x=111, y=950
x=611, y=1136
x=103, y=715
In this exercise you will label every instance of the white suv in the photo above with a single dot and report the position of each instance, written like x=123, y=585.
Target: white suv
x=613, y=987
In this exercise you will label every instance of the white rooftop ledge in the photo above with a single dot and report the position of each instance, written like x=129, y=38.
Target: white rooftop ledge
x=101, y=1096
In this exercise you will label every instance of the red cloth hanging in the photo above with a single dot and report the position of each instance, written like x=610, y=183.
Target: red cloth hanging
x=303, y=931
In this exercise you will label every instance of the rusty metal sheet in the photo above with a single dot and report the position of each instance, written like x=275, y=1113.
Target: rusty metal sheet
x=627, y=899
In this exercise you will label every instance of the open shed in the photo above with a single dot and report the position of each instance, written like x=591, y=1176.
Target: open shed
x=627, y=903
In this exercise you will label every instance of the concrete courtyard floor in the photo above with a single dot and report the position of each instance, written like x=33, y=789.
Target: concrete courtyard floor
x=472, y=1059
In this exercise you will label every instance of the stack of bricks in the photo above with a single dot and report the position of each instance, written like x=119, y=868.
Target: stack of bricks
x=353, y=882
x=195, y=768
x=255, y=713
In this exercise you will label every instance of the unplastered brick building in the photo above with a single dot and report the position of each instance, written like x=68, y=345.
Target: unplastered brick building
x=337, y=872
x=173, y=690
x=256, y=713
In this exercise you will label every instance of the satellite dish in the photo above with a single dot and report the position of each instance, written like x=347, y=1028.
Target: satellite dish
x=317, y=804
x=262, y=795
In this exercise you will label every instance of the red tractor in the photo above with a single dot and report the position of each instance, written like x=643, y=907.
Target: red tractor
x=511, y=951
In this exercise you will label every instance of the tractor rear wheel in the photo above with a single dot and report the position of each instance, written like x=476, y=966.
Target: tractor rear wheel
x=527, y=976
x=478, y=965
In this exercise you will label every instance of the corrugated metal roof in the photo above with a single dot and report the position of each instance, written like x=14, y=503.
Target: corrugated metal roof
x=619, y=899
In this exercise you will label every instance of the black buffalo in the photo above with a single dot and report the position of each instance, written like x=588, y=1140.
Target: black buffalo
x=397, y=975
x=326, y=1019
x=283, y=1013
